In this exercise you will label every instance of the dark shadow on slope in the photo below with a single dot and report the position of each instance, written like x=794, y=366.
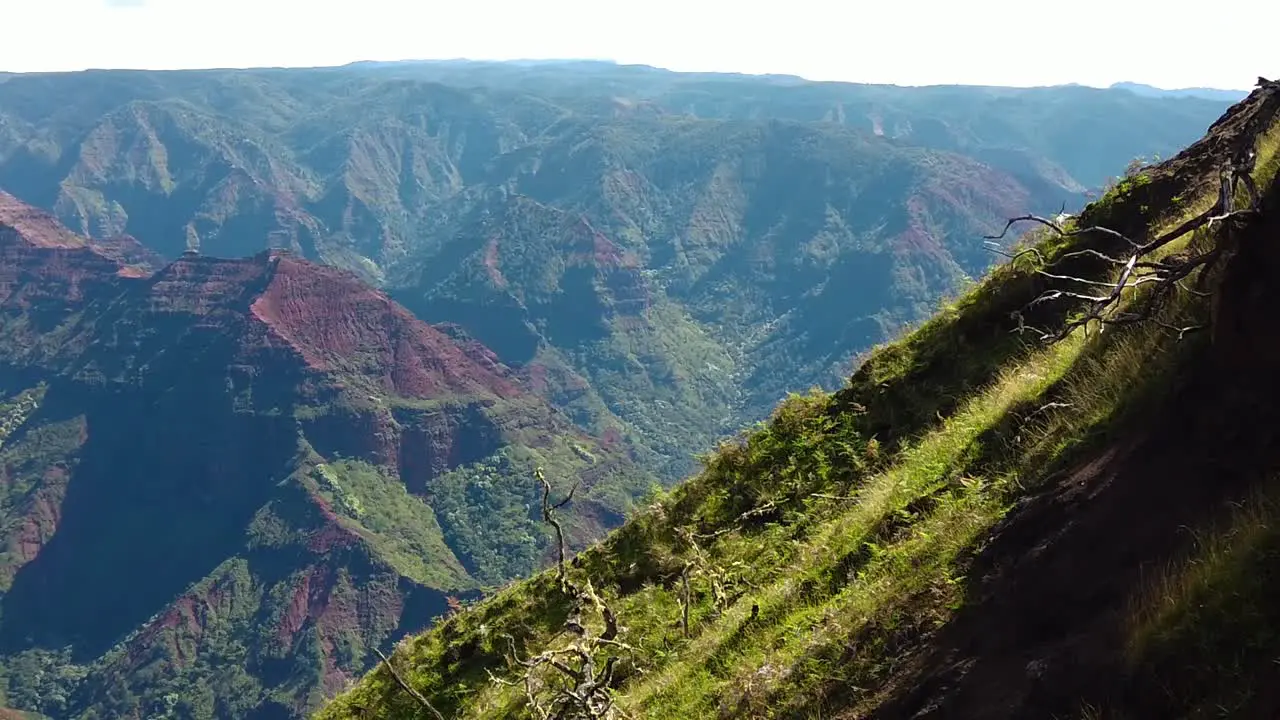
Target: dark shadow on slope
x=499, y=322
x=272, y=710
x=167, y=482
x=1045, y=624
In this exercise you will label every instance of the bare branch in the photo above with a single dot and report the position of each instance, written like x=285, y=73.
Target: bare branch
x=752, y=513
x=548, y=517
x=1014, y=256
x=1046, y=408
x=572, y=687
x=1025, y=218
x=686, y=598
x=1165, y=275
x=1096, y=283
x=1182, y=331
x=1093, y=253
x=1057, y=229
x=404, y=685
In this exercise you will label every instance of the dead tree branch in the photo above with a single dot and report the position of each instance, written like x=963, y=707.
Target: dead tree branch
x=569, y=683
x=724, y=582
x=1136, y=269
x=686, y=598
x=1057, y=229
x=548, y=516
x=404, y=685
x=755, y=512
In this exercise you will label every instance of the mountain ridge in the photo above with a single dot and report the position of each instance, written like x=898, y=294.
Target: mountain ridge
x=307, y=450
x=1203, y=92
x=394, y=172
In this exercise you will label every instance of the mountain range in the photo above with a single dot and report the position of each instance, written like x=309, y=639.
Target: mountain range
x=282, y=349
x=1207, y=93
x=733, y=237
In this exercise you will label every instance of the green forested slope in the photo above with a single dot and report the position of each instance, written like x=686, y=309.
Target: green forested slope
x=225, y=484
x=981, y=524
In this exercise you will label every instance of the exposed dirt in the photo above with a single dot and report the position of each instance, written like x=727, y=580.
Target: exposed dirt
x=337, y=322
x=40, y=520
x=40, y=229
x=31, y=274
x=37, y=227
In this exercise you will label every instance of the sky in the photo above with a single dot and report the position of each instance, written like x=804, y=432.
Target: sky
x=904, y=42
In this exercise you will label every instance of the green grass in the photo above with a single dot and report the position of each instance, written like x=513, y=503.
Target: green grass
x=400, y=526
x=1267, y=162
x=1210, y=622
x=816, y=602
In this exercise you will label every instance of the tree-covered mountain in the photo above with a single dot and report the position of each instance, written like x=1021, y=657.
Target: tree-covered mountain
x=661, y=254
x=225, y=482
x=1057, y=498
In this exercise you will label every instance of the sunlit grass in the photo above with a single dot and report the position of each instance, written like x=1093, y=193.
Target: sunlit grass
x=923, y=468
x=1205, y=625
x=1267, y=162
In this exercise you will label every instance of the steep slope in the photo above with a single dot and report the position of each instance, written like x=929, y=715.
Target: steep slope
x=981, y=524
x=776, y=227
x=223, y=484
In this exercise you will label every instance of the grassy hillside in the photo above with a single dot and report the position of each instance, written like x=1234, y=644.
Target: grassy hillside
x=662, y=254
x=981, y=524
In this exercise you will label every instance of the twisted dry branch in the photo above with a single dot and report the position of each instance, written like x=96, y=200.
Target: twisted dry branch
x=548, y=516
x=585, y=687
x=404, y=685
x=1136, y=269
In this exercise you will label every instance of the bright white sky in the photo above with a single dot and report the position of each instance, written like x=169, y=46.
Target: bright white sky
x=908, y=42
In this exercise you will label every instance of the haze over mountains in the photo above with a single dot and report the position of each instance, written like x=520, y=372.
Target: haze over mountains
x=1206, y=93
x=736, y=236
x=611, y=267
